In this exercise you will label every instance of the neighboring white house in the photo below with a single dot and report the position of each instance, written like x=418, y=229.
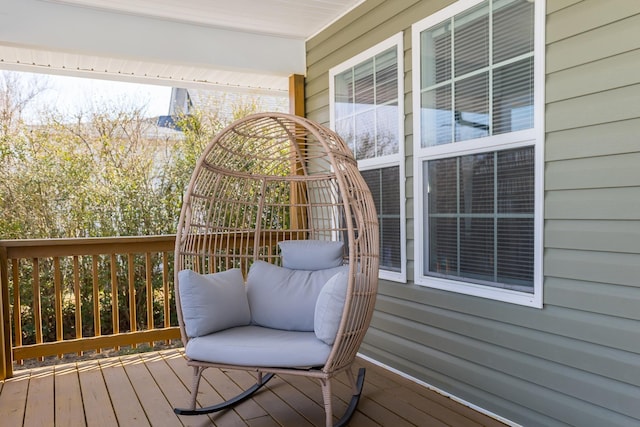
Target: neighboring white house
x=223, y=102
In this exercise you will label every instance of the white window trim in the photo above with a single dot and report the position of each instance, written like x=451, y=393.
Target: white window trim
x=384, y=161
x=529, y=137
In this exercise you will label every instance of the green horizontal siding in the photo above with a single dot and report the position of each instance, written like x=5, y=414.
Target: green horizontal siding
x=593, y=77
x=602, y=298
x=620, y=170
x=592, y=141
x=593, y=14
x=602, y=107
x=593, y=235
x=574, y=362
x=593, y=266
x=600, y=203
x=583, y=47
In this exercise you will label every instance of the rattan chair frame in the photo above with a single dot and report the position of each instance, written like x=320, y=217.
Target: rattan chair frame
x=270, y=177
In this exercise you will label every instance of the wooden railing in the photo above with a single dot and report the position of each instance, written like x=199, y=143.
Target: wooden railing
x=63, y=296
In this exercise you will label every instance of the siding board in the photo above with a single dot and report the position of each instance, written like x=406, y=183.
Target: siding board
x=599, y=203
x=593, y=14
x=594, y=266
x=556, y=5
x=619, y=170
x=602, y=107
x=597, y=140
x=610, y=73
x=602, y=298
x=619, y=37
x=588, y=235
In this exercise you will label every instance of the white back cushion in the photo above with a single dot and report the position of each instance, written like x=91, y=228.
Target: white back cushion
x=311, y=254
x=329, y=306
x=282, y=298
x=213, y=302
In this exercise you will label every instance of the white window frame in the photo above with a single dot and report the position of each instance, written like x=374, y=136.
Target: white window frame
x=530, y=137
x=388, y=160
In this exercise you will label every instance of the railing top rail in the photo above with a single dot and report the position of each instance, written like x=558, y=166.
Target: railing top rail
x=31, y=248
x=84, y=240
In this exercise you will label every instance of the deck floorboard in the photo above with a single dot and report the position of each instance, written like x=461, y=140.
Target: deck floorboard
x=142, y=390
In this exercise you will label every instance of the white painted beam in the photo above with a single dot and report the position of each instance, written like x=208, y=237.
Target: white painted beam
x=76, y=38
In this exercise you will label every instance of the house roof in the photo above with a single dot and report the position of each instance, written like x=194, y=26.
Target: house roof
x=248, y=44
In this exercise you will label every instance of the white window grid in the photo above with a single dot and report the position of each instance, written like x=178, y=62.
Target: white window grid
x=528, y=137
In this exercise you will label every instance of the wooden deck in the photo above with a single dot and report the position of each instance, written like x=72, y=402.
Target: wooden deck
x=142, y=389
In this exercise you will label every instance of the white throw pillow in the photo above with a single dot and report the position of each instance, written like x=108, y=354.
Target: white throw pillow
x=311, y=254
x=329, y=307
x=282, y=298
x=213, y=302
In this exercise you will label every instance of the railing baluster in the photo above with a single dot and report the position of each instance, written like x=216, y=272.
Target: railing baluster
x=78, y=298
x=165, y=289
x=17, y=318
x=96, y=299
x=57, y=285
x=133, y=322
x=115, y=317
x=37, y=310
x=149, y=284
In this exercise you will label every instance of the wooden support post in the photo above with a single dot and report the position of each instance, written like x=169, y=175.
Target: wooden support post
x=298, y=198
x=296, y=95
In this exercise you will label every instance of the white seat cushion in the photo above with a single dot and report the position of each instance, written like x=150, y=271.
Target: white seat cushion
x=259, y=347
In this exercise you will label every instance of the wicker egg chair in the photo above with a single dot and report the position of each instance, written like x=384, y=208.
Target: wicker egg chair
x=266, y=179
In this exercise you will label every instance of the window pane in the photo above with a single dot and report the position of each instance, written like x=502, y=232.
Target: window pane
x=470, y=235
x=390, y=178
x=489, y=98
x=365, y=135
x=512, y=29
x=472, y=107
x=384, y=185
x=513, y=97
x=515, y=252
x=372, y=178
x=390, y=255
x=387, y=77
x=345, y=128
x=436, y=55
x=477, y=183
x=442, y=186
x=436, y=116
x=516, y=181
x=477, y=248
x=443, y=246
x=471, y=40
x=344, y=88
x=364, y=84
x=387, y=138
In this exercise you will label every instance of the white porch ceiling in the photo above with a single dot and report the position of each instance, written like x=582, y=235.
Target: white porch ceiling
x=289, y=18
x=252, y=44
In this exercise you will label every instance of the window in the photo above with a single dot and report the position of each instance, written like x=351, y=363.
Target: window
x=367, y=112
x=478, y=159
